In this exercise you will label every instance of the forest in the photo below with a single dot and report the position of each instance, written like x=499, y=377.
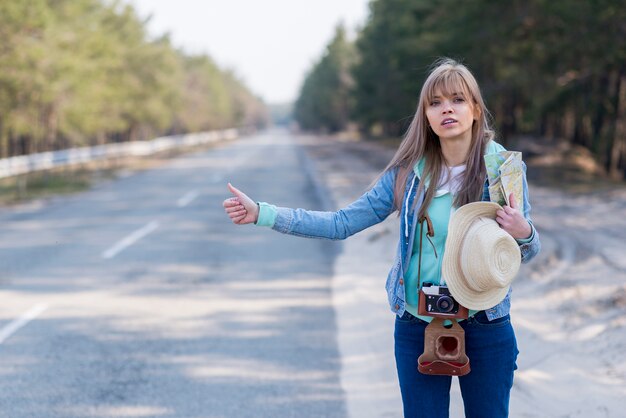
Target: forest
x=549, y=69
x=86, y=72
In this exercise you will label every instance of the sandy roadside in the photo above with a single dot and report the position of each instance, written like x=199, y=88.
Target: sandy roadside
x=568, y=309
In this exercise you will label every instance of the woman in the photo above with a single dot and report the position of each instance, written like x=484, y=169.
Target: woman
x=444, y=145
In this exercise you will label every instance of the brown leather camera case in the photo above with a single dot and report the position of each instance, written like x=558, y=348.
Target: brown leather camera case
x=444, y=350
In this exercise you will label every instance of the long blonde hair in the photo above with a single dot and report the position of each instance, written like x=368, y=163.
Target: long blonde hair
x=447, y=76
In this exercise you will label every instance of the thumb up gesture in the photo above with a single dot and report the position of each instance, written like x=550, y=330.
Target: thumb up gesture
x=240, y=208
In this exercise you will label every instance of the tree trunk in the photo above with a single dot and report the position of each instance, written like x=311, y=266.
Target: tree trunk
x=569, y=122
x=12, y=144
x=577, y=134
x=607, y=88
x=4, y=141
x=50, y=128
x=617, y=158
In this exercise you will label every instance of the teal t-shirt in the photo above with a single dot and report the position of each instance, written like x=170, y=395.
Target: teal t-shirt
x=439, y=211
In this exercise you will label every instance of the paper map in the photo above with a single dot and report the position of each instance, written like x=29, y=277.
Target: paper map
x=505, y=174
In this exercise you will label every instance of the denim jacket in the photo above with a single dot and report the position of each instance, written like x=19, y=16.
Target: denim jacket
x=374, y=207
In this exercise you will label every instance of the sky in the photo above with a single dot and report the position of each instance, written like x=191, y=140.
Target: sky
x=270, y=44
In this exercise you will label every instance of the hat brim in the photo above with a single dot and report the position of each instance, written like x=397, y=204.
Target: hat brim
x=452, y=272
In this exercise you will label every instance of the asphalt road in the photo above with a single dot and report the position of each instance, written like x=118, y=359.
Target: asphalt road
x=140, y=299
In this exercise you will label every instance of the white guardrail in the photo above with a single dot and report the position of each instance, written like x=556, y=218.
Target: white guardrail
x=46, y=160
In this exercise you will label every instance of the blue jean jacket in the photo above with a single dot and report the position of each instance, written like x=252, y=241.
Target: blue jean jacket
x=374, y=207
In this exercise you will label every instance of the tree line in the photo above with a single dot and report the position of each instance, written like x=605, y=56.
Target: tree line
x=555, y=69
x=85, y=72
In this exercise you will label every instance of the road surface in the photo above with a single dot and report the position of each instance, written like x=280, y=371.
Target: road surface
x=140, y=299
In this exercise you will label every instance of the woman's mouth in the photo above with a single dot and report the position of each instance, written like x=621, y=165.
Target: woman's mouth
x=448, y=121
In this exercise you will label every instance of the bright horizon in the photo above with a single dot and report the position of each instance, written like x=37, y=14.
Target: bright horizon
x=269, y=45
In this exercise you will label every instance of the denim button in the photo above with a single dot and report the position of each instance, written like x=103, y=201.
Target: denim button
x=397, y=306
x=401, y=280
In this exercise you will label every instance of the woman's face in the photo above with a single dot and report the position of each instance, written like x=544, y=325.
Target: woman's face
x=451, y=117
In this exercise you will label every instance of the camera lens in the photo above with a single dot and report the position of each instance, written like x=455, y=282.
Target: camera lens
x=445, y=304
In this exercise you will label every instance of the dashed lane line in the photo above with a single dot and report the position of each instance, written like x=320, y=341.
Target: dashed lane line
x=187, y=198
x=18, y=323
x=130, y=240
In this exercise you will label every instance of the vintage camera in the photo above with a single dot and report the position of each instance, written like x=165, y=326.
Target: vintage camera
x=436, y=301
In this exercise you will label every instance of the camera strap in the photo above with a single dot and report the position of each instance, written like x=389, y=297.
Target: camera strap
x=430, y=232
x=444, y=348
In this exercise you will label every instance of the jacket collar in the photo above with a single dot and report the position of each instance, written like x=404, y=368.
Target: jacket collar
x=418, y=168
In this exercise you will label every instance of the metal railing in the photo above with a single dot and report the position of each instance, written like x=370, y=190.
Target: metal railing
x=47, y=160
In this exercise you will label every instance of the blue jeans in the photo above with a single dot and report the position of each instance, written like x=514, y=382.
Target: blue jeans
x=492, y=350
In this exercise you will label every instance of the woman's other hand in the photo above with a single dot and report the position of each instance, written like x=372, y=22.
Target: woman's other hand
x=510, y=218
x=240, y=208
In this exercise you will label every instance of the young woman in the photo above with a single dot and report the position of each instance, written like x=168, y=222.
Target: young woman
x=444, y=146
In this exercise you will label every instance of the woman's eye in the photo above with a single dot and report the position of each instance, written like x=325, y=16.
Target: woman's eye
x=434, y=103
x=459, y=99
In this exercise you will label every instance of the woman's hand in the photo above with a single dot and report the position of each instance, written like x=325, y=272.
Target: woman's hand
x=240, y=208
x=512, y=221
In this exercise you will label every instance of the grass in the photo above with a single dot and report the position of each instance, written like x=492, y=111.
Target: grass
x=568, y=172
x=572, y=179
x=40, y=185
x=75, y=179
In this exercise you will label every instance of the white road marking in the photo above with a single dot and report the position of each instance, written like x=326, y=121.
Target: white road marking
x=28, y=316
x=187, y=199
x=130, y=240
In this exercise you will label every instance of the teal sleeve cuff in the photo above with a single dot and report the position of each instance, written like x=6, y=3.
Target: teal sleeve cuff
x=267, y=214
x=530, y=238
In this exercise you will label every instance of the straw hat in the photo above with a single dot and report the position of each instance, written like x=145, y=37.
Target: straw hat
x=480, y=259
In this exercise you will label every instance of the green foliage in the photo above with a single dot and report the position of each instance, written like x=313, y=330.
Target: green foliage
x=324, y=101
x=281, y=113
x=394, y=50
x=550, y=68
x=80, y=72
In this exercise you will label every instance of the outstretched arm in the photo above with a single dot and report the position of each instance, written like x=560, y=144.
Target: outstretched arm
x=371, y=208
